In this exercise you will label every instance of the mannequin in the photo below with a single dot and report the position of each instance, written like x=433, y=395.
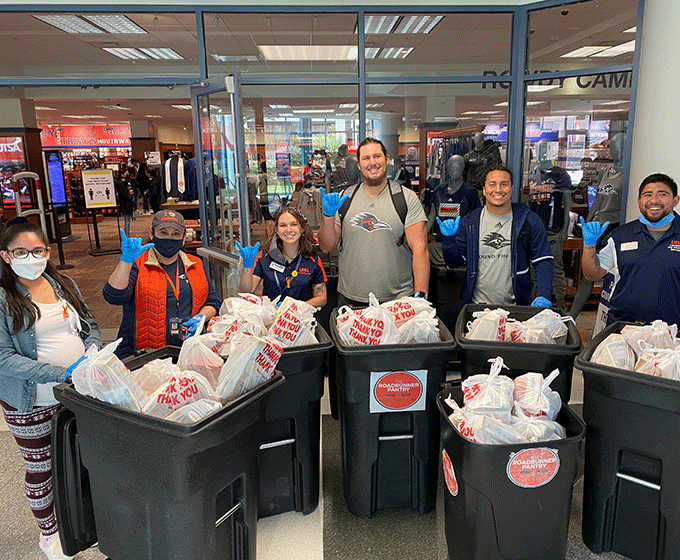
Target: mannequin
x=341, y=158
x=484, y=154
x=352, y=168
x=606, y=207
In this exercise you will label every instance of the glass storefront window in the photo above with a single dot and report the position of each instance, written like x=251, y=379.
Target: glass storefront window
x=290, y=45
x=577, y=124
x=582, y=35
x=422, y=125
x=437, y=44
x=84, y=46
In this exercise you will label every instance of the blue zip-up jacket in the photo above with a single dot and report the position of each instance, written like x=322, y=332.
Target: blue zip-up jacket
x=464, y=246
x=20, y=369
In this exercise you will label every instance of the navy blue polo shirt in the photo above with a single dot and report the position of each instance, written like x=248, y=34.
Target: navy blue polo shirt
x=648, y=273
x=295, y=280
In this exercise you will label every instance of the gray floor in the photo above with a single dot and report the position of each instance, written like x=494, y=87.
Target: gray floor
x=329, y=533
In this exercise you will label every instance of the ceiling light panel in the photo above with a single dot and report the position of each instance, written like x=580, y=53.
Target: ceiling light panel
x=539, y=88
x=630, y=30
x=162, y=54
x=380, y=24
x=417, y=24
x=115, y=23
x=313, y=111
x=279, y=106
x=235, y=58
x=125, y=53
x=395, y=52
x=154, y=116
x=45, y=108
x=69, y=23
x=618, y=49
x=584, y=51
x=308, y=52
x=114, y=107
x=181, y=106
x=371, y=52
x=85, y=116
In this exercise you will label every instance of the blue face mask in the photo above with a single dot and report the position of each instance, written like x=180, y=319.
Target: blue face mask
x=667, y=219
x=167, y=248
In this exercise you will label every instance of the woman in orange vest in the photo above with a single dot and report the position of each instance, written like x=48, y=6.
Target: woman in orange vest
x=160, y=287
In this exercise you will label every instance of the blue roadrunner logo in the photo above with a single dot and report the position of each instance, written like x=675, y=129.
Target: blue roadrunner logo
x=368, y=221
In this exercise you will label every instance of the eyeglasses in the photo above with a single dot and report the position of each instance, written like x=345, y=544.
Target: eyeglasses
x=23, y=253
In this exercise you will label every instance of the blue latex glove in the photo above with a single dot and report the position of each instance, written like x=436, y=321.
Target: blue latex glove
x=592, y=231
x=449, y=227
x=248, y=254
x=540, y=301
x=69, y=369
x=131, y=247
x=192, y=324
x=331, y=202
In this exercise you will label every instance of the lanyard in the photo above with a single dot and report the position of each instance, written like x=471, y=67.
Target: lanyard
x=175, y=286
x=292, y=275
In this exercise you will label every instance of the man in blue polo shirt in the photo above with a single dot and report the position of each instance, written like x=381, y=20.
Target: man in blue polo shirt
x=643, y=255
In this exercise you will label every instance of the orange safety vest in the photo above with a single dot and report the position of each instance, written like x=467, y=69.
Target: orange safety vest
x=150, y=296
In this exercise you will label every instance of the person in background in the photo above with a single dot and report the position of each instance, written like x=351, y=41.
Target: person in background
x=124, y=200
x=155, y=189
x=160, y=287
x=143, y=182
x=499, y=242
x=644, y=256
x=290, y=267
x=44, y=332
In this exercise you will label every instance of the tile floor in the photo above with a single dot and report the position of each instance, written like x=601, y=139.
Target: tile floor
x=329, y=533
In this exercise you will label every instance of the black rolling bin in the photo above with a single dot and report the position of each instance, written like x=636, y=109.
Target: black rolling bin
x=631, y=493
x=162, y=490
x=508, y=501
x=518, y=356
x=390, y=453
x=289, y=454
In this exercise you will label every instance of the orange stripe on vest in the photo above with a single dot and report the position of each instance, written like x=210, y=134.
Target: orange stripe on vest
x=150, y=299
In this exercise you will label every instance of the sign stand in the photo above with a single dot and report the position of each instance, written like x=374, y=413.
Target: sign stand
x=100, y=192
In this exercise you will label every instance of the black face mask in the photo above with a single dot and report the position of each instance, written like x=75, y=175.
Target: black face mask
x=167, y=247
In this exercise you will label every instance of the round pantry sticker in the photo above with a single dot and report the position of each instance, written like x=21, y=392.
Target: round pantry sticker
x=531, y=468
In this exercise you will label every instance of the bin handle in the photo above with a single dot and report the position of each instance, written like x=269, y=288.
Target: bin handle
x=231, y=512
x=639, y=481
x=397, y=437
x=277, y=443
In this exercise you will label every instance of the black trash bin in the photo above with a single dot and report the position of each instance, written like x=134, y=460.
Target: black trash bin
x=518, y=356
x=508, y=501
x=167, y=491
x=445, y=286
x=389, y=459
x=289, y=454
x=631, y=493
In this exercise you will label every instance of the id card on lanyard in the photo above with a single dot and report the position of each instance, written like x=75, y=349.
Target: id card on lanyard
x=175, y=323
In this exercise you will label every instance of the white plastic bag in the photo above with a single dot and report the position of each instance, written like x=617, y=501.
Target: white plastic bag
x=370, y=326
x=657, y=335
x=422, y=328
x=103, y=376
x=152, y=374
x=235, y=327
x=294, y=323
x=534, y=396
x=488, y=325
x=663, y=363
x=252, y=362
x=552, y=325
x=181, y=390
x=537, y=428
x=194, y=411
x=614, y=351
x=406, y=308
x=490, y=394
x=481, y=428
x=248, y=303
x=199, y=353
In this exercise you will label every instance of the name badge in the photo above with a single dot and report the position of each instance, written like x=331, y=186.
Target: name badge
x=630, y=246
x=276, y=266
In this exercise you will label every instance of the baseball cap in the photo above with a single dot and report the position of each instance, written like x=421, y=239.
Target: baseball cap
x=168, y=218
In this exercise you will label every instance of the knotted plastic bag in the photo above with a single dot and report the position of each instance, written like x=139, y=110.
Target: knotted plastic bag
x=252, y=362
x=235, y=327
x=183, y=389
x=535, y=397
x=657, y=335
x=406, y=308
x=488, y=325
x=193, y=412
x=152, y=374
x=422, y=328
x=546, y=327
x=663, y=363
x=294, y=323
x=370, y=326
x=249, y=303
x=103, y=376
x=537, y=428
x=614, y=351
x=199, y=354
x=482, y=428
x=490, y=394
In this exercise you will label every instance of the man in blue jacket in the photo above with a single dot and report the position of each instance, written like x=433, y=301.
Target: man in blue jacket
x=499, y=242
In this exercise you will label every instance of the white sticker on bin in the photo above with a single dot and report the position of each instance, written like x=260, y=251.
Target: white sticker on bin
x=398, y=391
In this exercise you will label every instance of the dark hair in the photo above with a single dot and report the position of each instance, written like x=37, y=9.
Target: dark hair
x=370, y=140
x=19, y=303
x=498, y=167
x=307, y=243
x=659, y=178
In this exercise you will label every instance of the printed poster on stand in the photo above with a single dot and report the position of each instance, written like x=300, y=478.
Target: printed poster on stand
x=98, y=188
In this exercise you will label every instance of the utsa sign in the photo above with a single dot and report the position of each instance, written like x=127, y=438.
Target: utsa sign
x=614, y=80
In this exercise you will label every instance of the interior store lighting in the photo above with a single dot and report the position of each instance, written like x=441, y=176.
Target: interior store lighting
x=115, y=23
x=114, y=107
x=279, y=106
x=418, y=24
x=618, y=49
x=539, y=88
x=529, y=103
x=374, y=105
x=584, y=51
x=348, y=106
x=69, y=23
x=313, y=111
x=154, y=116
x=84, y=117
x=186, y=107
x=308, y=52
x=371, y=52
x=395, y=52
x=630, y=30
x=162, y=53
x=125, y=53
x=380, y=23
x=470, y=113
x=45, y=108
x=235, y=58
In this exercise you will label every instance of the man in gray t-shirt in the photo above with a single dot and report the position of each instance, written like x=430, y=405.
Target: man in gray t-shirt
x=494, y=277
x=372, y=257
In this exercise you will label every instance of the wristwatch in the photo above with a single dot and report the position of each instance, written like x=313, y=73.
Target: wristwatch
x=422, y=295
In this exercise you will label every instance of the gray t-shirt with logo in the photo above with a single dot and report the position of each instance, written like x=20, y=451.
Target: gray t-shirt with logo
x=494, y=278
x=370, y=260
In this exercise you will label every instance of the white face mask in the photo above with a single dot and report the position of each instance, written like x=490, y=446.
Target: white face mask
x=29, y=268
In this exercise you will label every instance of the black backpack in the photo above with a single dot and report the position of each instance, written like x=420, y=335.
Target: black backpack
x=398, y=199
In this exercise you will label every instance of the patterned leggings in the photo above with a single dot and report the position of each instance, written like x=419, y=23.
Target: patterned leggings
x=33, y=433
